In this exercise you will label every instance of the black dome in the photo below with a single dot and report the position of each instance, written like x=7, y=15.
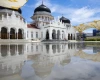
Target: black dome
x=42, y=8
x=19, y=10
x=65, y=20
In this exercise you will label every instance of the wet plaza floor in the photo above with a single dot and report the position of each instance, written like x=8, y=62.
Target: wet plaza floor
x=50, y=61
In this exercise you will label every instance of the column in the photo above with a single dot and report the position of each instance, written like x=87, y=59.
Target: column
x=66, y=36
x=50, y=34
x=8, y=33
x=17, y=33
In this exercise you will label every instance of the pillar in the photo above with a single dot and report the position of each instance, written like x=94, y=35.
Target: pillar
x=60, y=35
x=8, y=33
x=17, y=33
x=50, y=34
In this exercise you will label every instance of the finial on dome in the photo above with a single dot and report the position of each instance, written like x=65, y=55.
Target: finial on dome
x=42, y=1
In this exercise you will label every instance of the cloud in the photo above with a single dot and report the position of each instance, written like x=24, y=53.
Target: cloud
x=76, y=15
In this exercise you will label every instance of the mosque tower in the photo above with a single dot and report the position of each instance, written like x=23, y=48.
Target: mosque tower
x=42, y=16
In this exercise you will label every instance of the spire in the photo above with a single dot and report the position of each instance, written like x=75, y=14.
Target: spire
x=42, y=2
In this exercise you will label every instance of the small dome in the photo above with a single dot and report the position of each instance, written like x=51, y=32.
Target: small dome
x=19, y=10
x=42, y=8
x=65, y=20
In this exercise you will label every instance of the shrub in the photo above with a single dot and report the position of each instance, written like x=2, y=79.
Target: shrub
x=98, y=39
x=90, y=39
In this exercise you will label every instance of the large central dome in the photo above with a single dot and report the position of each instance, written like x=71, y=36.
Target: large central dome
x=42, y=8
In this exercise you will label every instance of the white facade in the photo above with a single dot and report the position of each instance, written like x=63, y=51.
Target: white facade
x=13, y=27
x=54, y=25
x=12, y=22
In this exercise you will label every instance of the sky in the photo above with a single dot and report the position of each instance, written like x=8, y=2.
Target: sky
x=78, y=11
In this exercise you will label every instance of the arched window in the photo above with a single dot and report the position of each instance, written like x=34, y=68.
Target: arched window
x=47, y=35
x=54, y=34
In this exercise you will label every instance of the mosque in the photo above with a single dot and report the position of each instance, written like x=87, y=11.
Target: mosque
x=44, y=26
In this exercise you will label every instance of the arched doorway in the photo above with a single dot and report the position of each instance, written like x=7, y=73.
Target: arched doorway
x=47, y=35
x=68, y=36
x=58, y=34
x=20, y=34
x=12, y=34
x=54, y=34
x=4, y=33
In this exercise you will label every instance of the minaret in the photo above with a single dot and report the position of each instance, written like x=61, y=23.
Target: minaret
x=42, y=1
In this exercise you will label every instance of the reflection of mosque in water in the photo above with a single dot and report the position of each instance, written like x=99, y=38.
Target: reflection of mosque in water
x=44, y=57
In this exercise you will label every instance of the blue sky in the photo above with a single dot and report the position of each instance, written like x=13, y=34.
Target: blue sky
x=78, y=11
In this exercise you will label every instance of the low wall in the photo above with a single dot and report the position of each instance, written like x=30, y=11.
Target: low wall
x=16, y=41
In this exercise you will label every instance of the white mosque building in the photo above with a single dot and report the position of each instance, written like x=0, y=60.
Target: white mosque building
x=44, y=26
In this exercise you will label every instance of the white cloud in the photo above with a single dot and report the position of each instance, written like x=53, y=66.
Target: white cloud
x=76, y=15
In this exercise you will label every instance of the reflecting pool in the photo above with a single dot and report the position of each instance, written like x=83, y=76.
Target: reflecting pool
x=50, y=61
